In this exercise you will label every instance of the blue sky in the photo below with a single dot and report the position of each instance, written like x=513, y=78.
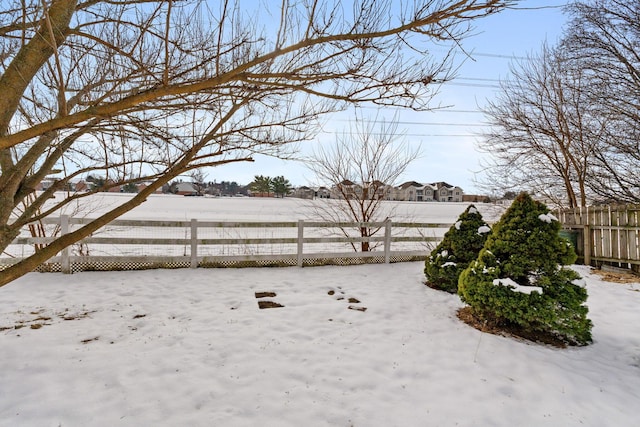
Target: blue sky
x=447, y=137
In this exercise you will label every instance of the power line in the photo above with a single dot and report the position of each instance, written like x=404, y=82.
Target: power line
x=453, y=83
x=435, y=110
x=428, y=123
x=415, y=135
x=479, y=79
x=557, y=6
x=487, y=54
x=447, y=110
x=496, y=55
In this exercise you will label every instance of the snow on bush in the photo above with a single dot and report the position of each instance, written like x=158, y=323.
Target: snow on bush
x=547, y=217
x=484, y=229
x=515, y=287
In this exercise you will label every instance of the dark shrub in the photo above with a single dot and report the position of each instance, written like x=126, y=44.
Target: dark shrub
x=458, y=248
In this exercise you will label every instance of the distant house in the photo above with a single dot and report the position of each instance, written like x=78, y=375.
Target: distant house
x=112, y=186
x=368, y=190
x=303, y=193
x=447, y=192
x=377, y=190
x=261, y=194
x=345, y=190
x=185, y=189
x=44, y=184
x=412, y=191
x=81, y=186
x=322, y=193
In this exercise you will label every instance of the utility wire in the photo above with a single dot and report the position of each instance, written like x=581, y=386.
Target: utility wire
x=427, y=123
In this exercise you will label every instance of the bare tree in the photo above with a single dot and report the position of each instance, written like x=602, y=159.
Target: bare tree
x=567, y=126
x=541, y=131
x=603, y=40
x=362, y=165
x=198, y=181
x=153, y=89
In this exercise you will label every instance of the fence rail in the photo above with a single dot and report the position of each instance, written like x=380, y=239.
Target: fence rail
x=605, y=234
x=141, y=244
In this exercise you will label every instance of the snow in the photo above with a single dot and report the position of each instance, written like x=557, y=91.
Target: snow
x=473, y=210
x=548, y=218
x=172, y=207
x=515, y=287
x=581, y=283
x=191, y=347
x=449, y=264
x=484, y=229
x=457, y=225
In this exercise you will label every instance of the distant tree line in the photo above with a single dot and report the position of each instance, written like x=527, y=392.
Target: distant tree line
x=222, y=188
x=279, y=186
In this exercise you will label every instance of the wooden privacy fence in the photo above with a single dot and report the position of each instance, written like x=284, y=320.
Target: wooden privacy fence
x=141, y=244
x=605, y=234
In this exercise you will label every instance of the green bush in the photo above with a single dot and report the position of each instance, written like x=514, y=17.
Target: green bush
x=458, y=248
x=519, y=278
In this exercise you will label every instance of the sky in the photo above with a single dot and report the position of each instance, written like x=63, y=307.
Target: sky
x=447, y=137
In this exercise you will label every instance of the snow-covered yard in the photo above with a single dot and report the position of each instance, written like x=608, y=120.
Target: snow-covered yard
x=192, y=348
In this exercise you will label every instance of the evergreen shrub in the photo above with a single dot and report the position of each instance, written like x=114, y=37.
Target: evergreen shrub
x=519, y=278
x=460, y=245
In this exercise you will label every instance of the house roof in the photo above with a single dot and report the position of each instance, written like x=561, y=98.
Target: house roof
x=441, y=184
x=438, y=185
x=408, y=184
x=185, y=187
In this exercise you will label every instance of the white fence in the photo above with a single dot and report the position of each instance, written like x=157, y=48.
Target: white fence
x=141, y=244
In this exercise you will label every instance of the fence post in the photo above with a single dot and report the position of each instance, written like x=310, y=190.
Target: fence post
x=194, y=243
x=387, y=241
x=65, y=262
x=300, y=241
x=586, y=240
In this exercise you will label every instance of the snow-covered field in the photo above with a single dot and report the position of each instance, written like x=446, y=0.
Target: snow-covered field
x=172, y=207
x=244, y=209
x=193, y=348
